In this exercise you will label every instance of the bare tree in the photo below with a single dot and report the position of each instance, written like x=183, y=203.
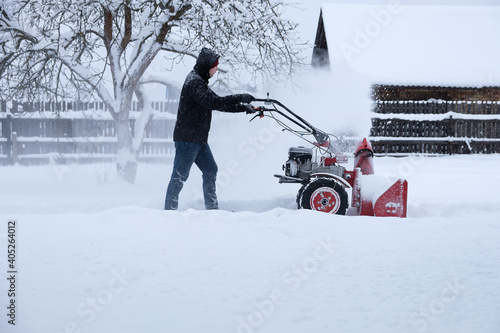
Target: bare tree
x=85, y=48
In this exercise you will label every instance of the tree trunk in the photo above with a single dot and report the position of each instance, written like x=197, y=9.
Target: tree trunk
x=126, y=163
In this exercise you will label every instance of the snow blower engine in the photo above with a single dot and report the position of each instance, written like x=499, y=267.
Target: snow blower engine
x=325, y=183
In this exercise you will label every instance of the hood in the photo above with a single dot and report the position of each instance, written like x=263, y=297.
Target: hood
x=205, y=60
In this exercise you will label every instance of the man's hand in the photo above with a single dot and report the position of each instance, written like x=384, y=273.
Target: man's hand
x=247, y=98
x=247, y=108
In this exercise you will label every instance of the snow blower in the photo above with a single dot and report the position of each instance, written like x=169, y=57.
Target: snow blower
x=325, y=183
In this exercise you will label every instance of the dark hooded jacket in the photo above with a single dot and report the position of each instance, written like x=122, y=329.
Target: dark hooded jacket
x=197, y=102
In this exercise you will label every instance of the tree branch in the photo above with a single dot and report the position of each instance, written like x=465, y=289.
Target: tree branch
x=128, y=28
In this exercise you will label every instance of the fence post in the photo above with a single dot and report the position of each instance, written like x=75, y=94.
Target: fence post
x=8, y=135
x=15, y=160
x=450, y=135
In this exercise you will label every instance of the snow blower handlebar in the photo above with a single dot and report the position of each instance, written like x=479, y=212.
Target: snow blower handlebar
x=321, y=137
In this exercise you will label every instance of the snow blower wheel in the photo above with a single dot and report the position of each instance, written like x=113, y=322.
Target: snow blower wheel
x=324, y=195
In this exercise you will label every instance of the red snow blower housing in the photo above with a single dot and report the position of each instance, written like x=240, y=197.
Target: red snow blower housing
x=325, y=183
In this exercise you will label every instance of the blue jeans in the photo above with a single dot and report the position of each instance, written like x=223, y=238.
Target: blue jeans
x=187, y=153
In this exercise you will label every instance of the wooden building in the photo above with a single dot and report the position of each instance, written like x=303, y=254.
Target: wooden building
x=435, y=120
x=434, y=82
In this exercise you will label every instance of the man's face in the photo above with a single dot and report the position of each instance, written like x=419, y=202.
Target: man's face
x=213, y=70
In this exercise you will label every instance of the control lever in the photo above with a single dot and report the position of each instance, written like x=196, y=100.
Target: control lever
x=250, y=109
x=260, y=115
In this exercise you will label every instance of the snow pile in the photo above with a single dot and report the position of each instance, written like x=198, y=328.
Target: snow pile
x=373, y=186
x=98, y=255
x=436, y=117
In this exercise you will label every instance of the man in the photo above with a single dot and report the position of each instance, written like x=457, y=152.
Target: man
x=192, y=126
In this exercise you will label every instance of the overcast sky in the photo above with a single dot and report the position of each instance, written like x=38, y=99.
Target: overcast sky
x=308, y=14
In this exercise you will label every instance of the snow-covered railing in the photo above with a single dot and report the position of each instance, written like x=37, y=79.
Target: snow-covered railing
x=436, y=106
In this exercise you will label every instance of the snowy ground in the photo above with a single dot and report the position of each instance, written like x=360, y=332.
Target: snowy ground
x=97, y=255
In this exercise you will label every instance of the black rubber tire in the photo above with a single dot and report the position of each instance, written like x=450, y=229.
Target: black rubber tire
x=325, y=195
x=299, y=195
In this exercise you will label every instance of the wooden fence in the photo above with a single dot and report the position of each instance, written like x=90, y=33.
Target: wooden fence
x=435, y=127
x=41, y=135
x=16, y=107
x=49, y=132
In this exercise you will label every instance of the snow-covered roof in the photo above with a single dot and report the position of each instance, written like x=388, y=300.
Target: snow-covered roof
x=415, y=45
